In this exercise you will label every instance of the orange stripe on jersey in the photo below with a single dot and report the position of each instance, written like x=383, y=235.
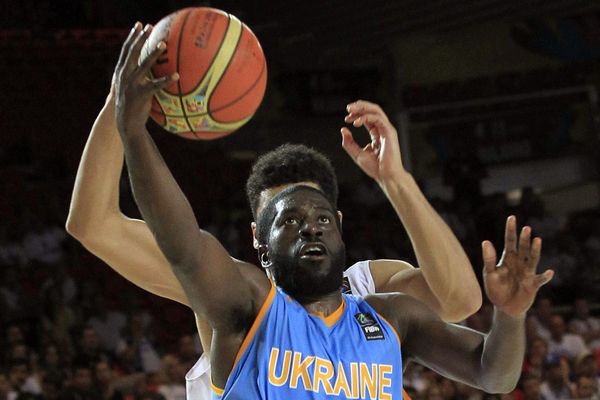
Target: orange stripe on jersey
x=332, y=318
x=405, y=395
x=216, y=389
x=392, y=328
x=259, y=317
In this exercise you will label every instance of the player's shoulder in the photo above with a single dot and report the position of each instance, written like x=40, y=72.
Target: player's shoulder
x=255, y=276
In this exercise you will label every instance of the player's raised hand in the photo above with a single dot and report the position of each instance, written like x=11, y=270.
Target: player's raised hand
x=511, y=285
x=380, y=159
x=133, y=87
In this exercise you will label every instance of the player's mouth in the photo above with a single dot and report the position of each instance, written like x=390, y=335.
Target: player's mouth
x=313, y=251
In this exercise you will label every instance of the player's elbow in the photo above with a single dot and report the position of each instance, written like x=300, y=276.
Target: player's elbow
x=500, y=387
x=462, y=307
x=76, y=227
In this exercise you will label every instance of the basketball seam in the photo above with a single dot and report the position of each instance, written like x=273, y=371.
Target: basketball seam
x=179, y=39
x=262, y=71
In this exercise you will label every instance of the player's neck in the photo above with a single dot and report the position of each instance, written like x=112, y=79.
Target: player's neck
x=322, y=305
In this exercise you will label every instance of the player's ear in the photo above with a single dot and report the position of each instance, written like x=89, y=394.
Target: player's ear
x=340, y=216
x=254, y=239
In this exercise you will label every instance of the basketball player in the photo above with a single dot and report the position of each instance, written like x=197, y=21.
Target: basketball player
x=445, y=282
x=304, y=339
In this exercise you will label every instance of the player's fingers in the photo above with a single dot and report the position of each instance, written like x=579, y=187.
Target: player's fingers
x=536, y=251
x=351, y=117
x=372, y=121
x=510, y=234
x=525, y=244
x=127, y=44
x=489, y=256
x=349, y=145
x=131, y=62
x=152, y=57
x=363, y=107
x=543, y=278
x=159, y=83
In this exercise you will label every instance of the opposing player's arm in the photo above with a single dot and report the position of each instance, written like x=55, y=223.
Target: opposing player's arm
x=209, y=276
x=452, y=288
x=95, y=219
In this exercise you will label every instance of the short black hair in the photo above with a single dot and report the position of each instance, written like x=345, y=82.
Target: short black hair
x=263, y=225
x=291, y=163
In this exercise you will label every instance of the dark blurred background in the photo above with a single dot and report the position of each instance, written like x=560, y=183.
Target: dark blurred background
x=496, y=103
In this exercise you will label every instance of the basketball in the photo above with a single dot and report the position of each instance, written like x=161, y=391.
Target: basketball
x=222, y=73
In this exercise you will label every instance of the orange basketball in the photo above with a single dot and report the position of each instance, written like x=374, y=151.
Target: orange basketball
x=222, y=73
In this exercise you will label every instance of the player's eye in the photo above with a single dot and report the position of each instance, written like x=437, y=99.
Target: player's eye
x=323, y=219
x=291, y=221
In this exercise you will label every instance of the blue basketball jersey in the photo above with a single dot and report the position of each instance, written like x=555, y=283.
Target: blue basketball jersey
x=290, y=354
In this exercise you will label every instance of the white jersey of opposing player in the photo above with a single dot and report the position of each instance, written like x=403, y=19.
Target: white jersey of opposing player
x=357, y=280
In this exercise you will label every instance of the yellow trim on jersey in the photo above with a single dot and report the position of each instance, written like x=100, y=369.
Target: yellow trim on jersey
x=250, y=335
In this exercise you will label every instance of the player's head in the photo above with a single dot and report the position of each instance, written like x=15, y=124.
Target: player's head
x=288, y=165
x=285, y=165
x=300, y=242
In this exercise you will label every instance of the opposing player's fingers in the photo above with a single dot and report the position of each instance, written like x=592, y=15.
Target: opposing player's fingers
x=489, y=256
x=373, y=121
x=510, y=234
x=363, y=107
x=133, y=55
x=525, y=244
x=349, y=145
x=151, y=59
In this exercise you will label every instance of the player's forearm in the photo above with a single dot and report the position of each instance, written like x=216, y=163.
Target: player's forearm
x=443, y=262
x=163, y=205
x=96, y=189
x=503, y=352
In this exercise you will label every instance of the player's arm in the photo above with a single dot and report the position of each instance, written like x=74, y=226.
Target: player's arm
x=209, y=276
x=95, y=219
x=489, y=361
x=448, y=284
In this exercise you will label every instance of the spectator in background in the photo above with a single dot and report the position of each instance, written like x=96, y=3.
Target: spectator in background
x=6, y=392
x=186, y=352
x=537, y=352
x=529, y=388
x=562, y=343
x=173, y=378
x=584, y=324
x=586, y=365
x=89, y=350
x=43, y=243
x=556, y=379
x=539, y=319
x=20, y=377
x=136, y=350
x=108, y=324
x=585, y=388
x=52, y=385
x=81, y=386
x=104, y=382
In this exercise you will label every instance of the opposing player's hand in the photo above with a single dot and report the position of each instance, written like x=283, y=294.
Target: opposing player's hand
x=512, y=284
x=380, y=159
x=133, y=87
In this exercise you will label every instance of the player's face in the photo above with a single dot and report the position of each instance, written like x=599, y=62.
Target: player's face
x=305, y=245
